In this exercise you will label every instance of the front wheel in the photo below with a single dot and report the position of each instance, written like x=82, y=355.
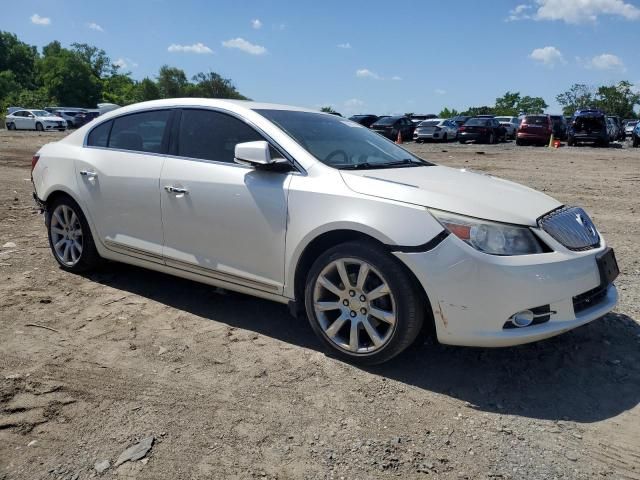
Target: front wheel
x=70, y=237
x=636, y=142
x=444, y=138
x=11, y=126
x=39, y=127
x=362, y=304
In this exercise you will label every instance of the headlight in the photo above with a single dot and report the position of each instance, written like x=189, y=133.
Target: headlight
x=490, y=237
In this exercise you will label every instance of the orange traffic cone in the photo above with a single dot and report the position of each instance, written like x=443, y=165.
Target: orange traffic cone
x=556, y=143
x=399, y=139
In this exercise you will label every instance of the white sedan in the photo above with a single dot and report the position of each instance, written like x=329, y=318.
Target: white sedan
x=373, y=244
x=436, y=129
x=40, y=120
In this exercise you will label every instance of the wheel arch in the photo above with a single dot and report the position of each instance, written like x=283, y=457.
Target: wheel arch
x=329, y=239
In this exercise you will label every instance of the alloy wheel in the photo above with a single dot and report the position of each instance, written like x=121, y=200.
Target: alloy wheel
x=354, y=306
x=66, y=235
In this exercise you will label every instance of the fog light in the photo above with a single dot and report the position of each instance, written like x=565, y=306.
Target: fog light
x=523, y=319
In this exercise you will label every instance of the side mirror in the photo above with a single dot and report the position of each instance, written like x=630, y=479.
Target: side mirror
x=256, y=154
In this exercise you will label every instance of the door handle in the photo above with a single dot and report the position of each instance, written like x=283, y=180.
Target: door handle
x=176, y=190
x=87, y=173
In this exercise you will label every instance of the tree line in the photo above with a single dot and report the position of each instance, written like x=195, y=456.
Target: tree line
x=83, y=76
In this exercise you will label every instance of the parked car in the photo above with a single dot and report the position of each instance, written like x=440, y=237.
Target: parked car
x=482, y=130
x=559, y=127
x=534, y=130
x=390, y=126
x=10, y=110
x=460, y=120
x=436, y=129
x=40, y=120
x=588, y=125
x=635, y=135
x=82, y=118
x=371, y=242
x=364, y=120
x=619, y=130
x=629, y=127
x=70, y=117
x=612, y=129
x=510, y=124
x=416, y=118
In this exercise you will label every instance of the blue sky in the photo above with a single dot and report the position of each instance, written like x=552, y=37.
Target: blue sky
x=358, y=56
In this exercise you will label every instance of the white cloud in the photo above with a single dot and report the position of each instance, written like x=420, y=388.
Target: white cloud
x=366, y=73
x=125, y=63
x=396, y=77
x=574, y=11
x=344, y=45
x=245, y=46
x=521, y=12
x=440, y=91
x=95, y=26
x=353, y=102
x=256, y=23
x=195, y=48
x=606, y=61
x=38, y=20
x=549, y=56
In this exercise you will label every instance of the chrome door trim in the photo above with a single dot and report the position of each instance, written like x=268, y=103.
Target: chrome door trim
x=128, y=250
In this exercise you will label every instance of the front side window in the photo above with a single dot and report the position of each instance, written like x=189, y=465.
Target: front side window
x=209, y=135
x=340, y=143
x=99, y=136
x=140, y=132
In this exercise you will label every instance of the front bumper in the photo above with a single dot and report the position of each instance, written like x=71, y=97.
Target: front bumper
x=473, y=295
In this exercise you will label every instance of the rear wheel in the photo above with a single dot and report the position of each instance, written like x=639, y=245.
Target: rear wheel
x=362, y=304
x=39, y=127
x=444, y=138
x=70, y=237
x=636, y=142
x=492, y=138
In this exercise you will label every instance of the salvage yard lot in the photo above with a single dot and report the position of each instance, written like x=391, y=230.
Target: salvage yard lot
x=233, y=387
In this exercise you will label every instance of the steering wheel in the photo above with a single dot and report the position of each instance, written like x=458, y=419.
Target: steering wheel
x=335, y=153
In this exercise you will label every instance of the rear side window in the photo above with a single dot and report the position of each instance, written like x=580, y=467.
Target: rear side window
x=209, y=135
x=99, y=136
x=140, y=132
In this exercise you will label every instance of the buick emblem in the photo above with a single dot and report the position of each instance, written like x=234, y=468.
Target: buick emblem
x=586, y=224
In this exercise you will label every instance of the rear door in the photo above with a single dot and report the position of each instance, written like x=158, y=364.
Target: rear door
x=119, y=176
x=221, y=219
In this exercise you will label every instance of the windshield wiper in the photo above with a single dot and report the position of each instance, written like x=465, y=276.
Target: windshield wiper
x=404, y=161
x=357, y=166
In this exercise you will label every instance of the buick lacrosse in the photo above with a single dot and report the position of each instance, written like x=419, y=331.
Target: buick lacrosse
x=372, y=243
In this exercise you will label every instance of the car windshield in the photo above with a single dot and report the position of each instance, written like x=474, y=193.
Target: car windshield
x=504, y=119
x=429, y=123
x=341, y=143
x=41, y=113
x=387, y=121
x=475, y=122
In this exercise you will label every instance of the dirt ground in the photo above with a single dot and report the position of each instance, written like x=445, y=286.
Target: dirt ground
x=233, y=387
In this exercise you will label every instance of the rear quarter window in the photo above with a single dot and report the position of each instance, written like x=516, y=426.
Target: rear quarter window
x=99, y=136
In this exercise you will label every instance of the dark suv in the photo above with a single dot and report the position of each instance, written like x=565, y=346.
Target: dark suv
x=364, y=120
x=588, y=125
x=559, y=127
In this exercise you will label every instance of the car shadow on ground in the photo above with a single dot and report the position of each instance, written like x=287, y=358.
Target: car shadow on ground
x=586, y=375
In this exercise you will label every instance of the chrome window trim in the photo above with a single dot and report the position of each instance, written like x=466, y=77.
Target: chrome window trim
x=300, y=169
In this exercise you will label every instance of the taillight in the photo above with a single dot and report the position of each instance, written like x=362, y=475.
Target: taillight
x=462, y=129
x=34, y=161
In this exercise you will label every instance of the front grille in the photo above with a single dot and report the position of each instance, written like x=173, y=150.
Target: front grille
x=589, y=299
x=572, y=227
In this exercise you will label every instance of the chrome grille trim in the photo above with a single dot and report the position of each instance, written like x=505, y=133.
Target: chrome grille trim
x=572, y=227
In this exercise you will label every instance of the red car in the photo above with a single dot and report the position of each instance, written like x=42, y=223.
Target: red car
x=534, y=129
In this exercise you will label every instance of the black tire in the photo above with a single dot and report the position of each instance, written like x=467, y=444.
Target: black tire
x=604, y=144
x=492, y=139
x=519, y=142
x=444, y=138
x=11, y=126
x=89, y=257
x=462, y=141
x=410, y=306
x=636, y=142
x=39, y=127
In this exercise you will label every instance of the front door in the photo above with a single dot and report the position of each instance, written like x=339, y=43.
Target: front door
x=119, y=176
x=221, y=219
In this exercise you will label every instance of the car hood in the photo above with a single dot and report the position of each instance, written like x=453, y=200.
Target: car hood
x=55, y=118
x=454, y=190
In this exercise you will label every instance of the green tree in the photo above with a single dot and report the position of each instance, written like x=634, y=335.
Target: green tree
x=120, y=89
x=484, y=110
x=96, y=58
x=18, y=58
x=172, y=82
x=146, y=90
x=448, y=113
x=618, y=99
x=8, y=84
x=531, y=105
x=578, y=96
x=212, y=85
x=67, y=78
x=328, y=109
x=508, y=104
